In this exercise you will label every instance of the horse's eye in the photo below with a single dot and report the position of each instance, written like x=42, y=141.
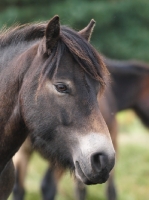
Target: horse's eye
x=61, y=88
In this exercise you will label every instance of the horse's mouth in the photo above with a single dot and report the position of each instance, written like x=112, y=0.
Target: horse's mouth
x=97, y=178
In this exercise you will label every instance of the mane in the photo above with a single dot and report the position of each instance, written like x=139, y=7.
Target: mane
x=133, y=67
x=16, y=33
x=83, y=52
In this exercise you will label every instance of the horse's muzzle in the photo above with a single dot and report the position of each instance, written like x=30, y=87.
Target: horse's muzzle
x=94, y=161
x=99, y=173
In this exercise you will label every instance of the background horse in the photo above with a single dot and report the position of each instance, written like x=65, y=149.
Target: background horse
x=50, y=77
x=129, y=89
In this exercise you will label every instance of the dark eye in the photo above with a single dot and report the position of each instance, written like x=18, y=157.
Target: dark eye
x=61, y=88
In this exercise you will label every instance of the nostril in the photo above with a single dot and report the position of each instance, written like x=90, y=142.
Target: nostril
x=99, y=162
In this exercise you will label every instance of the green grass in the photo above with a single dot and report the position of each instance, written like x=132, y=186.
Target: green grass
x=132, y=171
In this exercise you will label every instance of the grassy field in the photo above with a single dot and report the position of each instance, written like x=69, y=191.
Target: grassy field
x=132, y=171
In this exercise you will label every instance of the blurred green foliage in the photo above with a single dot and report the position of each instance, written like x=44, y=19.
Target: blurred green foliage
x=122, y=26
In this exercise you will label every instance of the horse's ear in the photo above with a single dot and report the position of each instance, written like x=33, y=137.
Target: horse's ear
x=87, y=31
x=51, y=37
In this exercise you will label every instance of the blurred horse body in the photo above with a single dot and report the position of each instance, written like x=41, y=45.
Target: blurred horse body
x=50, y=77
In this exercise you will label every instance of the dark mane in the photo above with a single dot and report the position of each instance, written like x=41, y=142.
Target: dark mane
x=16, y=34
x=87, y=57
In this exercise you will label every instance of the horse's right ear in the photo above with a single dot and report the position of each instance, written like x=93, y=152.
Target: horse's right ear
x=51, y=37
x=87, y=31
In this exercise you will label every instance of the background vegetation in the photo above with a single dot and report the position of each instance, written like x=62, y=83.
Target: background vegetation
x=122, y=26
x=121, y=32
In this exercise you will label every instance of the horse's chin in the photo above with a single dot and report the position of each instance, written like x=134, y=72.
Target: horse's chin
x=91, y=179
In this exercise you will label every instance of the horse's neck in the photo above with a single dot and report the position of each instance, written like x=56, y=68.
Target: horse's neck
x=12, y=127
x=9, y=77
x=124, y=95
x=125, y=88
x=9, y=53
x=127, y=77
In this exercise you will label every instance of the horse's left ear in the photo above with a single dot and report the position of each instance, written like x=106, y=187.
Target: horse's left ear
x=51, y=37
x=87, y=31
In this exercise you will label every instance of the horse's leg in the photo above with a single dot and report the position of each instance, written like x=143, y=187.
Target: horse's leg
x=111, y=191
x=49, y=183
x=21, y=160
x=7, y=179
x=80, y=190
x=111, y=188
